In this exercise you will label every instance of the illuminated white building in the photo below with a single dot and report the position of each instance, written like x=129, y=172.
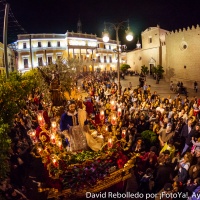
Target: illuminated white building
x=42, y=49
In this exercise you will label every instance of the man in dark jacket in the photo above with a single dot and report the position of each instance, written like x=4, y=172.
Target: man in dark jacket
x=185, y=134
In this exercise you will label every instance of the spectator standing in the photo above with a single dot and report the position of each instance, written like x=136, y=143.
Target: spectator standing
x=195, y=86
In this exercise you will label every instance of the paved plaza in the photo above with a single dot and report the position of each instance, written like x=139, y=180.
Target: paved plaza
x=163, y=88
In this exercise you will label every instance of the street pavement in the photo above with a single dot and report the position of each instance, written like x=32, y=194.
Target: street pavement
x=163, y=88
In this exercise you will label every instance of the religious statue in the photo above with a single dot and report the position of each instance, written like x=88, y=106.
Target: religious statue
x=55, y=89
x=74, y=126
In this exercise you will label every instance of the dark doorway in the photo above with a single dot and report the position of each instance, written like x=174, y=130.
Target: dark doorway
x=151, y=69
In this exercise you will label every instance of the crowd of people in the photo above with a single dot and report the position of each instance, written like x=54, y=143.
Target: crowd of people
x=26, y=171
x=169, y=165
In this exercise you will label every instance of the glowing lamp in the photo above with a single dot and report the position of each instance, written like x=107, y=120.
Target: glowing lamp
x=32, y=133
x=106, y=128
x=114, y=119
x=113, y=106
x=40, y=118
x=119, y=112
x=124, y=132
x=129, y=34
x=53, y=138
x=110, y=143
x=54, y=160
x=106, y=37
x=53, y=125
x=59, y=143
x=102, y=116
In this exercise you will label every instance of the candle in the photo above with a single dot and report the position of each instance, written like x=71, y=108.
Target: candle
x=55, y=162
x=32, y=134
x=53, y=124
x=102, y=115
x=106, y=128
x=123, y=133
x=53, y=139
x=114, y=121
x=112, y=105
x=40, y=118
x=39, y=149
x=119, y=112
x=110, y=143
x=60, y=144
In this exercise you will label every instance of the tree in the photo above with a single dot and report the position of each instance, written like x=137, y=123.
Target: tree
x=144, y=70
x=12, y=94
x=124, y=67
x=149, y=138
x=4, y=149
x=158, y=71
x=67, y=71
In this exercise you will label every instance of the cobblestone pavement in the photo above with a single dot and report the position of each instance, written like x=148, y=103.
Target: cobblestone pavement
x=162, y=88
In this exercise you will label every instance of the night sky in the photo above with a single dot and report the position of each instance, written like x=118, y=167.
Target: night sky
x=58, y=16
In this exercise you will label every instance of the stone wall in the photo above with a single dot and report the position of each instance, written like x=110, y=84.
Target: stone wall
x=182, y=55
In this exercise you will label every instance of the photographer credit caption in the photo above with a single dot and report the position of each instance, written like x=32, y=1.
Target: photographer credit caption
x=138, y=195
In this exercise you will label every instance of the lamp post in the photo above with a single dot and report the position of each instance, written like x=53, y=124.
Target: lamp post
x=129, y=37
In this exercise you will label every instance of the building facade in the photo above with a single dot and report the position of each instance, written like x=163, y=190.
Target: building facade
x=177, y=51
x=153, y=51
x=43, y=49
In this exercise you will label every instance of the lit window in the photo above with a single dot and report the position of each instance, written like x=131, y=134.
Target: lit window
x=24, y=45
x=25, y=62
x=49, y=60
x=98, y=59
x=105, y=59
x=49, y=44
x=40, y=62
x=39, y=44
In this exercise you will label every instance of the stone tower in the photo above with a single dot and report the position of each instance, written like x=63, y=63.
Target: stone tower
x=79, y=26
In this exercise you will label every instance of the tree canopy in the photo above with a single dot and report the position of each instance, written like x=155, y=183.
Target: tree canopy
x=124, y=67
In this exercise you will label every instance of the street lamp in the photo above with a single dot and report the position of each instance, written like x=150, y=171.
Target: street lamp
x=129, y=37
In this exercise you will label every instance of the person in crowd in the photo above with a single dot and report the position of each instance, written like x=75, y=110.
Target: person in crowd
x=165, y=135
x=139, y=146
x=169, y=146
x=149, y=159
x=185, y=134
x=183, y=167
x=164, y=171
x=196, y=86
